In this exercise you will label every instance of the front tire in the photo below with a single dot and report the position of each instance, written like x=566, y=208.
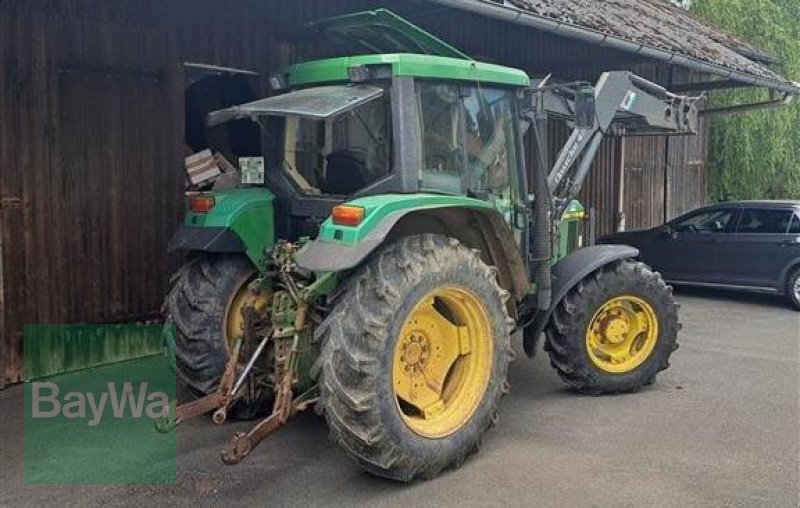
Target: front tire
x=414, y=358
x=615, y=331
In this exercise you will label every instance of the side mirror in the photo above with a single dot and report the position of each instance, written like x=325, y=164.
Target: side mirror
x=584, y=107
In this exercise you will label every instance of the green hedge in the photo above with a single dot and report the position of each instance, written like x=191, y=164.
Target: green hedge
x=756, y=155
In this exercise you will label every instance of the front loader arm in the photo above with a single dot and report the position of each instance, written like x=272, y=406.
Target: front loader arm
x=620, y=103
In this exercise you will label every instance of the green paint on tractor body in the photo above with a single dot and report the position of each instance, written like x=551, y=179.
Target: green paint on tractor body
x=335, y=70
x=248, y=212
x=570, y=237
x=378, y=208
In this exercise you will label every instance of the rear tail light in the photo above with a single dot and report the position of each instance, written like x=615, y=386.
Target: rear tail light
x=347, y=215
x=201, y=203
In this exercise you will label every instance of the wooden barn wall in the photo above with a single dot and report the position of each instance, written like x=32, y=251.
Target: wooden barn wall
x=91, y=150
x=91, y=137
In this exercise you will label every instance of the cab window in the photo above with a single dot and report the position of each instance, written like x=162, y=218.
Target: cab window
x=440, y=114
x=490, y=143
x=468, y=137
x=342, y=154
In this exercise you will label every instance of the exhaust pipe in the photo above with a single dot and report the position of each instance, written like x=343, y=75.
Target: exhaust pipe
x=541, y=252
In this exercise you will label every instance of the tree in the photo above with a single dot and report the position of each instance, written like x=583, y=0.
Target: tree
x=756, y=155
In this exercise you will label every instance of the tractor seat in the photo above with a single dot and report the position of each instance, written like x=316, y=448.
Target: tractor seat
x=346, y=172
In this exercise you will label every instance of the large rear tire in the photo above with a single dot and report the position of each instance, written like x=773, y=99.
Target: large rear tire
x=414, y=358
x=615, y=331
x=206, y=295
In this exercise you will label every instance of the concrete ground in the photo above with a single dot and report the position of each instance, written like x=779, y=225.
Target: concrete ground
x=721, y=427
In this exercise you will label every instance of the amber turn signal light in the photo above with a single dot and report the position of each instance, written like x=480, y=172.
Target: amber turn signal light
x=347, y=215
x=201, y=203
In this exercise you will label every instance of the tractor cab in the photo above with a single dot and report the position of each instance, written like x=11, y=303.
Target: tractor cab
x=433, y=121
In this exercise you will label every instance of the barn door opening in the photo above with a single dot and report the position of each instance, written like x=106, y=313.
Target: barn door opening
x=209, y=88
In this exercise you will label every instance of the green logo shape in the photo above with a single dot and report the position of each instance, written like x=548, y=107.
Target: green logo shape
x=93, y=394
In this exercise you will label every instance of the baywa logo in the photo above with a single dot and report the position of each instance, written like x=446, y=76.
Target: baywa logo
x=94, y=388
x=123, y=403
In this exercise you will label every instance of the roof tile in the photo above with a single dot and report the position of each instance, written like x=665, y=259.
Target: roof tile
x=655, y=23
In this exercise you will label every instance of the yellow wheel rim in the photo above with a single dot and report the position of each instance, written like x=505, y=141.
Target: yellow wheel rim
x=622, y=334
x=234, y=319
x=442, y=361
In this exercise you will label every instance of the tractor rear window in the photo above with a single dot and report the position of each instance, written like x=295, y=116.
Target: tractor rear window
x=342, y=154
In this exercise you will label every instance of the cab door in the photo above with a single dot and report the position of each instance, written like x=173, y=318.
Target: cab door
x=493, y=170
x=469, y=137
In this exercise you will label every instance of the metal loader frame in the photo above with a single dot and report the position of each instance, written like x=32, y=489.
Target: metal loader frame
x=622, y=104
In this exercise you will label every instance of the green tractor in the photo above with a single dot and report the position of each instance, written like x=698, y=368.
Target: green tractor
x=379, y=265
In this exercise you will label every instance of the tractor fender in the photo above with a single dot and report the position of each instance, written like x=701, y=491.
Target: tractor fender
x=242, y=220
x=478, y=228
x=207, y=239
x=322, y=255
x=566, y=274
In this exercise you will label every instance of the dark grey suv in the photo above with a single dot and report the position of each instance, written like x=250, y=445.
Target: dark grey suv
x=751, y=245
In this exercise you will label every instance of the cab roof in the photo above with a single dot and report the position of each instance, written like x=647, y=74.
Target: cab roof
x=382, y=38
x=406, y=64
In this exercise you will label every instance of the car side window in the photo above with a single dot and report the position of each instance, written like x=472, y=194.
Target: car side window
x=765, y=221
x=712, y=221
x=794, y=225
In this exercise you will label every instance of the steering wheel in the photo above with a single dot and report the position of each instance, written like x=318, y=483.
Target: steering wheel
x=438, y=162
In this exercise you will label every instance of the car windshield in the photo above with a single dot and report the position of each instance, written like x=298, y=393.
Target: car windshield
x=337, y=154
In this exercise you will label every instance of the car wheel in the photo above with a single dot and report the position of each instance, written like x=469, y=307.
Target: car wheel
x=793, y=289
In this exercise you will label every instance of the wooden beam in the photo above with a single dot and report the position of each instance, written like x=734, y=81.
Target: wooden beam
x=619, y=215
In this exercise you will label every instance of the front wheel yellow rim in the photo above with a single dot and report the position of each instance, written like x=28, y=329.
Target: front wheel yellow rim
x=622, y=334
x=442, y=362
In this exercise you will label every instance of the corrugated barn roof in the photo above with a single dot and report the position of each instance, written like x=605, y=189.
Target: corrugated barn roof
x=652, y=22
x=654, y=28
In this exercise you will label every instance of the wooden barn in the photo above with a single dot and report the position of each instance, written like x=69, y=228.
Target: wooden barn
x=98, y=100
